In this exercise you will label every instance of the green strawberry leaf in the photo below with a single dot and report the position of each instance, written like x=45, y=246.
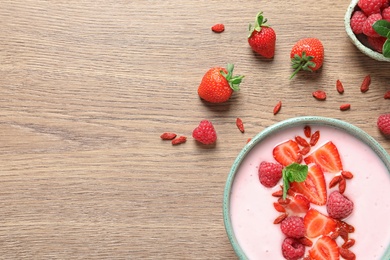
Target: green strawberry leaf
x=293, y=172
x=259, y=22
x=382, y=27
x=234, y=82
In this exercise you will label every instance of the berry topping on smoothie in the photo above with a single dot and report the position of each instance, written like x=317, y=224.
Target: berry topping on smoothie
x=270, y=173
x=287, y=153
x=293, y=227
x=292, y=249
x=339, y=206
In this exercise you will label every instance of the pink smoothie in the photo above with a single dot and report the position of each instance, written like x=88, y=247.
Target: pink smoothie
x=251, y=204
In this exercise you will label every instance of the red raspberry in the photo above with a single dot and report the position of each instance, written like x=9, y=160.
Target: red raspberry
x=367, y=26
x=205, y=132
x=357, y=20
x=339, y=206
x=386, y=14
x=370, y=7
x=376, y=43
x=293, y=226
x=292, y=249
x=383, y=124
x=270, y=173
x=385, y=3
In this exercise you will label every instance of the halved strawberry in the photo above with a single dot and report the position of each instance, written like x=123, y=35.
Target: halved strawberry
x=327, y=157
x=287, y=153
x=325, y=249
x=318, y=224
x=314, y=187
x=298, y=204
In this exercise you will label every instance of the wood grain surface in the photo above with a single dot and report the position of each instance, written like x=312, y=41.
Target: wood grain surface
x=87, y=87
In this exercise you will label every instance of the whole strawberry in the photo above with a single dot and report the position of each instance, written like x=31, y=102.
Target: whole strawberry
x=307, y=54
x=218, y=84
x=205, y=133
x=262, y=37
x=339, y=206
x=384, y=124
x=270, y=173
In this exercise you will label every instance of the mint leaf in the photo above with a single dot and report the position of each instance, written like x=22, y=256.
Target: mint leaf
x=293, y=172
x=382, y=27
x=386, y=48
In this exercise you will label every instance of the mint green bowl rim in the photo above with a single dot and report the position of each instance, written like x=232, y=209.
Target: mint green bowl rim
x=292, y=122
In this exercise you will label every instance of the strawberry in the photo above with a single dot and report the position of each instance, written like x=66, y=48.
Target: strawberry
x=317, y=224
x=287, y=153
x=218, y=84
x=383, y=124
x=314, y=187
x=339, y=206
x=262, y=37
x=298, y=203
x=325, y=249
x=357, y=20
x=292, y=249
x=327, y=157
x=270, y=173
x=205, y=133
x=370, y=6
x=307, y=54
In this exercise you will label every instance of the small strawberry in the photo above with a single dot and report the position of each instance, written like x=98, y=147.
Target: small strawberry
x=298, y=204
x=357, y=20
x=262, y=38
x=325, y=249
x=307, y=54
x=383, y=124
x=270, y=173
x=292, y=249
x=293, y=226
x=367, y=26
x=218, y=84
x=339, y=206
x=327, y=157
x=370, y=7
x=318, y=224
x=205, y=133
x=287, y=152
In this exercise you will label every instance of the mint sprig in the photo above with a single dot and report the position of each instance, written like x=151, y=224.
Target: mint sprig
x=382, y=27
x=293, y=172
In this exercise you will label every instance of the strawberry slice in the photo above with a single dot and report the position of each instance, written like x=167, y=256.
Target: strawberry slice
x=287, y=153
x=317, y=224
x=314, y=187
x=298, y=204
x=325, y=249
x=327, y=157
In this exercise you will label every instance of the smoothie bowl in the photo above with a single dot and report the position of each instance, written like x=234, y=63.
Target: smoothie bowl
x=336, y=207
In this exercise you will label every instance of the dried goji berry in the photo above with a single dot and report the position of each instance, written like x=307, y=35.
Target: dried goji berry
x=248, y=140
x=284, y=201
x=280, y=218
x=278, y=193
x=181, y=139
x=342, y=185
x=344, y=107
x=347, y=174
x=279, y=207
x=305, y=150
x=218, y=28
x=349, y=243
x=319, y=95
x=314, y=138
x=365, y=84
x=347, y=254
x=339, y=87
x=168, y=136
x=307, y=131
x=335, y=180
x=301, y=141
x=277, y=107
x=387, y=95
x=305, y=241
x=240, y=125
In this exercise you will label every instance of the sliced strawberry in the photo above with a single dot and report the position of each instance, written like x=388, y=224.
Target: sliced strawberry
x=327, y=157
x=299, y=204
x=314, y=187
x=325, y=249
x=318, y=224
x=287, y=153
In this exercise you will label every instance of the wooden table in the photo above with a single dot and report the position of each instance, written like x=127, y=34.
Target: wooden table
x=87, y=87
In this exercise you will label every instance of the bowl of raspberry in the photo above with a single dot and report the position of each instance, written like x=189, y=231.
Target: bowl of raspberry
x=359, y=19
x=306, y=188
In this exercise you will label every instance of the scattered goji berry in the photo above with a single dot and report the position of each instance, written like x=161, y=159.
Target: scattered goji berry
x=305, y=241
x=285, y=201
x=365, y=84
x=344, y=107
x=180, y=140
x=305, y=150
x=280, y=218
x=301, y=141
x=387, y=95
x=335, y=180
x=347, y=254
x=248, y=140
x=277, y=107
x=279, y=207
x=168, y=136
x=218, y=28
x=349, y=243
x=347, y=174
x=342, y=185
x=314, y=138
x=319, y=95
x=307, y=131
x=339, y=87
x=240, y=125
x=278, y=193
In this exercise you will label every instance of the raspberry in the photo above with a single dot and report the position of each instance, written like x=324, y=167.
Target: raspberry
x=367, y=26
x=357, y=20
x=339, y=206
x=385, y=3
x=270, y=173
x=376, y=43
x=384, y=124
x=293, y=226
x=386, y=14
x=205, y=132
x=370, y=7
x=292, y=249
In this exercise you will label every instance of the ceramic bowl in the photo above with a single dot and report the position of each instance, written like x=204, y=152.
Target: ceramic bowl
x=260, y=141
x=367, y=51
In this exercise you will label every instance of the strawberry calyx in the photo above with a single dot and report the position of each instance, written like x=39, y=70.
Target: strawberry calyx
x=234, y=81
x=259, y=22
x=303, y=62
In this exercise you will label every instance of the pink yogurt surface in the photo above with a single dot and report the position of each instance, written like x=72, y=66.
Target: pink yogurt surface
x=251, y=204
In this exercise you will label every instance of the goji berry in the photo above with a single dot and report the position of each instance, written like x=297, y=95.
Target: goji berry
x=314, y=138
x=319, y=95
x=305, y=241
x=365, y=84
x=279, y=207
x=301, y=141
x=240, y=125
x=342, y=185
x=347, y=174
x=339, y=87
x=305, y=150
x=387, y=95
x=168, y=136
x=347, y=254
x=280, y=218
x=335, y=180
x=180, y=140
x=218, y=28
x=344, y=107
x=277, y=107
x=307, y=131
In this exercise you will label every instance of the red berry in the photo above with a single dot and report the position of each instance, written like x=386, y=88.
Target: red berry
x=376, y=43
x=383, y=124
x=370, y=6
x=307, y=54
x=292, y=249
x=339, y=206
x=319, y=95
x=367, y=26
x=218, y=28
x=293, y=226
x=270, y=173
x=205, y=133
x=262, y=38
x=357, y=20
x=386, y=14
